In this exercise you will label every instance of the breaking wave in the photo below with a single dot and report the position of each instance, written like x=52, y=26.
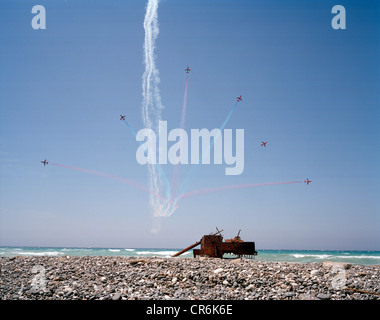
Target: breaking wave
x=43, y=253
x=316, y=256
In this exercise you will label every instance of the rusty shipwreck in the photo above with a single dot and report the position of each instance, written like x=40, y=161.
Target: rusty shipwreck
x=213, y=246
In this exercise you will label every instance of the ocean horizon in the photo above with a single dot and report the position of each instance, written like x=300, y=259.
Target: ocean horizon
x=362, y=257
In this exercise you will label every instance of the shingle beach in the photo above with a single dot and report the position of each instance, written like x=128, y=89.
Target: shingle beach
x=115, y=278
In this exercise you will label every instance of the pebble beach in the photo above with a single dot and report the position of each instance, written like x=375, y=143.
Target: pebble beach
x=152, y=278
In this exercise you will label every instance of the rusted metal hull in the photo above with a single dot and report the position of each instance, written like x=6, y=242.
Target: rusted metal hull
x=213, y=246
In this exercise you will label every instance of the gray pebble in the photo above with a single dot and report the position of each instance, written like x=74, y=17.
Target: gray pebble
x=323, y=296
x=116, y=296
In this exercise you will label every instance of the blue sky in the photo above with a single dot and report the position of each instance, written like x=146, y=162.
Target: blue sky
x=311, y=91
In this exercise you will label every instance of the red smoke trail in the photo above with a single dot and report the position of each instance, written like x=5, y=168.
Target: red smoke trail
x=109, y=176
x=175, y=176
x=236, y=186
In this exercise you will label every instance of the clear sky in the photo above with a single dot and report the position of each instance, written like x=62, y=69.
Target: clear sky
x=311, y=91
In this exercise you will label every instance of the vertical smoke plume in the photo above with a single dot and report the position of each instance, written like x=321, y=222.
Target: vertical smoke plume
x=175, y=177
x=151, y=104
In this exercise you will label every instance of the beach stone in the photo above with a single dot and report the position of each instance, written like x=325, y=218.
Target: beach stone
x=138, y=261
x=249, y=287
x=332, y=264
x=315, y=273
x=219, y=270
x=116, y=296
x=323, y=296
x=238, y=260
x=306, y=296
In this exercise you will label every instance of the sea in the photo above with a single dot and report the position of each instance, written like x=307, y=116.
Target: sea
x=301, y=256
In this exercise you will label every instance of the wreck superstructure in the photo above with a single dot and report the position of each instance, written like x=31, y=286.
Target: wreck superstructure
x=213, y=246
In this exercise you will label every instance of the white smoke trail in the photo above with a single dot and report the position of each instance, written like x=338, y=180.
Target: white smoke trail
x=151, y=105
